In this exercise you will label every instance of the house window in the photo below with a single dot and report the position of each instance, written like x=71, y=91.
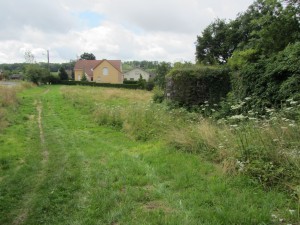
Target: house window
x=131, y=78
x=105, y=71
x=79, y=77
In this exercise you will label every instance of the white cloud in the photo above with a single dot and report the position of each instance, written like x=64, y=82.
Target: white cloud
x=152, y=30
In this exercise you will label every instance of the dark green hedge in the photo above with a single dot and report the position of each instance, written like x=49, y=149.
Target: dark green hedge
x=93, y=84
x=130, y=82
x=197, y=85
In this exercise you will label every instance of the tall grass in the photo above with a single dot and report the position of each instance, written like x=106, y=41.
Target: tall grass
x=266, y=150
x=9, y=100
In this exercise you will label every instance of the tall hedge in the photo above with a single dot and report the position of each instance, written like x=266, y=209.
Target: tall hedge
x=197, y=85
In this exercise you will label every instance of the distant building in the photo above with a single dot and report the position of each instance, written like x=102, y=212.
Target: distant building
x=16, y=77
x=100, y=71
x=135, y=74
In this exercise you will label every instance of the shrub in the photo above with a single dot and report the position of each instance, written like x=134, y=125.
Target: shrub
x=158, y=95
x=149, y=85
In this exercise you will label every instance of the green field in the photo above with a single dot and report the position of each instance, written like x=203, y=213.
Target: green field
x=66, y=158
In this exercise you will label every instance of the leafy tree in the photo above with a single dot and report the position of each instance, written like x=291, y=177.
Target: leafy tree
x=271, y=26
x=161, y=71
x=36, y=74
x=63, y=74
x=263, y=27
x=216, y=43
x=240, y=58
x=29, y=57
x=88, y=56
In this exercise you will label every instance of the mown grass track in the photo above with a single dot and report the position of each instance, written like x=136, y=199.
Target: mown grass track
x=65, y=169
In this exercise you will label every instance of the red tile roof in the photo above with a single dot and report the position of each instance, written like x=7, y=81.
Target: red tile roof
x=89, y=65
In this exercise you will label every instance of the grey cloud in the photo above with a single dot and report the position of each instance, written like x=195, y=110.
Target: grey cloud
x=46, y=16
x=133, y=29
x=189, y=16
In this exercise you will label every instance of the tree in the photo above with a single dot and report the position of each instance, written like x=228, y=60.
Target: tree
x=262, y=28
x=29, y=57
x=88, y=56
x=216, y=43
x=36, y=74
x=271, y=26
x=63, y=74
x=161, y=72
x=83, y=78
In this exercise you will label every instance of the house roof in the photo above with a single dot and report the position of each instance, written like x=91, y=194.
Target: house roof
x=89, y=65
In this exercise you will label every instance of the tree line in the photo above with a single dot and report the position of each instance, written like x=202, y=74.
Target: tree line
x=262, y=49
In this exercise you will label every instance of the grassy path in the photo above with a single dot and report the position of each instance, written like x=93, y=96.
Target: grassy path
x=59, y=167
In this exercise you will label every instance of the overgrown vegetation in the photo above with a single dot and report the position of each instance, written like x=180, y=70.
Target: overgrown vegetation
x=263, y=59
x=264, y=149
x=9, y=101
x=77, y=172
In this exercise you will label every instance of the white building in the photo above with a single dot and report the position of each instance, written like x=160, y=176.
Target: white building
x=135, y=74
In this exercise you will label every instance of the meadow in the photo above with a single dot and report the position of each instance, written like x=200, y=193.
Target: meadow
x=265, y=148
x=90, y=155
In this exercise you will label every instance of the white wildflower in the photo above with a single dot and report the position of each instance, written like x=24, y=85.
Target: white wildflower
x=274, y=216
x=291, y=211
x=238, y=117
x=269, y=110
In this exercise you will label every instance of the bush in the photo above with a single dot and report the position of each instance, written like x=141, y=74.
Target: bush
x=150, y=85
x=51, y=79
x=158, y=95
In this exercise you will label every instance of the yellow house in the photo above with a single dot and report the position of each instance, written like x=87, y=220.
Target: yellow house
x=100, y=71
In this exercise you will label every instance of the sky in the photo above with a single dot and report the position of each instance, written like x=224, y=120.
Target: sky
x=154, y=30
